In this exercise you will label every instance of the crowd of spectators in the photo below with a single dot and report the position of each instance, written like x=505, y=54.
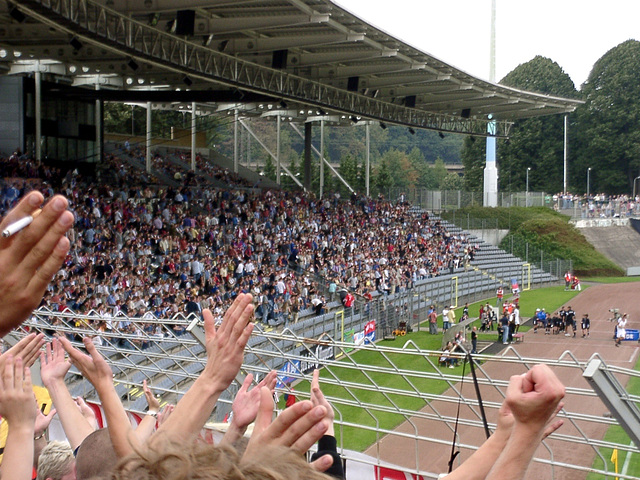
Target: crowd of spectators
x=599, y=205
x=168, y=448
x=157, y=250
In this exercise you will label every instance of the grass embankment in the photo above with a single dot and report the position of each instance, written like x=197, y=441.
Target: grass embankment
x=364, y=394
x=548, y=231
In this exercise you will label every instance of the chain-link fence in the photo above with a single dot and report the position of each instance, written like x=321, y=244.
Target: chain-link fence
x=517, y=246
x=446, y=200
x=467, y=222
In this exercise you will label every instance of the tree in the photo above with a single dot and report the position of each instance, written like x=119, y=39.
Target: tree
x=269, y=169
x=607, y=133
x=403, y=175
x=383, y=181
x=536, y=142
x=349, y=171
x=473, y=159
x=452, y=181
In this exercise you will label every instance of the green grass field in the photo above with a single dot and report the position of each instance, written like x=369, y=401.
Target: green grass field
x=611, y=279
x=365, y=395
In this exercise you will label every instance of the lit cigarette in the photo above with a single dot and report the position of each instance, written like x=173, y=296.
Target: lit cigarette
x=21, y=224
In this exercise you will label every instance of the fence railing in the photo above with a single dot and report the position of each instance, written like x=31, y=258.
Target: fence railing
x=445, y=200
x=535, y=256
x=374, y=388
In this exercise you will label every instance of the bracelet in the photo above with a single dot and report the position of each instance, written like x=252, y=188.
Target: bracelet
x=153, y=414
x=38, y=437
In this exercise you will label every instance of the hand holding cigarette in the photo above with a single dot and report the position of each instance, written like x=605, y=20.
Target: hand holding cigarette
x=21, y=224
x=29, y=262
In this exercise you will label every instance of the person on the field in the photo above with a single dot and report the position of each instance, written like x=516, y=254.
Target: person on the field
x=504, y=325
x=576, y=284
x=585, y=324
x=620, y=329
x=569, y=322
x=445, y=319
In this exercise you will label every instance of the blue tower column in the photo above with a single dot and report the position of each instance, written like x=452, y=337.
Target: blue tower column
x=490, y=190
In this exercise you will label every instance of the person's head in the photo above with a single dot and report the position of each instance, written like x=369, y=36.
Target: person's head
x=56, y=462
x=96, y=456
x=208, y=462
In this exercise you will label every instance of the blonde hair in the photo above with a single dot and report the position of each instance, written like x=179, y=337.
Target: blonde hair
x=55, y=461
x=169, y=460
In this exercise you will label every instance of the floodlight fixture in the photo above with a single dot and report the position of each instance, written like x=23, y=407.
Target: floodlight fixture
x=17, y=15
x=75, y=43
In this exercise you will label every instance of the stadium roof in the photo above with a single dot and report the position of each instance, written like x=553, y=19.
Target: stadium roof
x=297, y=53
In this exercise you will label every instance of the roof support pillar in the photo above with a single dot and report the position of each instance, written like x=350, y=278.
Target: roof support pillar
x=307, y=155
x=565, y=179
x=38, y=139
x=278, y=159
x=99, y=147
x=368, y=158
x=193, y=136
x=235, y=141
x=321, y=158
x=148, y=137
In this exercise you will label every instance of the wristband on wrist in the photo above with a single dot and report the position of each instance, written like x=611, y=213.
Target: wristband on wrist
x=153, y=414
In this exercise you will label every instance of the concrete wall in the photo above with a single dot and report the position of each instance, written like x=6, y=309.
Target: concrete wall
x=600, y=222
x=492, y=236
x=12, y=118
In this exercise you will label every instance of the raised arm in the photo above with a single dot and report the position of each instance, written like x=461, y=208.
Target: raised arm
x=28, y=348
x=39, y=433
x=298, y=426
x=148, y=424
x=225, y=353
x=95, y=369
x=327, y=445
x=18, y=407
x=478, y=465
x=53, y=368
x=533, y=399
x=245, y=406
x=30, y=258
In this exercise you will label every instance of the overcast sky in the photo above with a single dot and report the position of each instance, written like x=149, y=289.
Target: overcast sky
x=573, y=33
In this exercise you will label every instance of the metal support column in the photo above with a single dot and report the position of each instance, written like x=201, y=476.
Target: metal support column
x=249, y=151
x=367, y=166
x=307, y=155
x=148, y=137
x=193, y=136
x=321, y=155
x=566, y=155
x=278, y=162
x=38, y=139
x=99, y=147
x=235, y=142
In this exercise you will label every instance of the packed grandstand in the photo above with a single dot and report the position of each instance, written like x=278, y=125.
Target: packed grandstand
x=150, y=252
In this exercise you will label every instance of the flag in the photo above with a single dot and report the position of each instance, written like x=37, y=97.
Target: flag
x=614, y=460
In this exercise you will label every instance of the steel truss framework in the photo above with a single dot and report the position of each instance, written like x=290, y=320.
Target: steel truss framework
x=95, y=23
x=373, y=388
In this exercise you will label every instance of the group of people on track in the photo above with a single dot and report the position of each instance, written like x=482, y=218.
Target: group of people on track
x=564, y=321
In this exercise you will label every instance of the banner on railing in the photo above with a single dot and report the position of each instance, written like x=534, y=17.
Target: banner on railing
x=370, y=332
